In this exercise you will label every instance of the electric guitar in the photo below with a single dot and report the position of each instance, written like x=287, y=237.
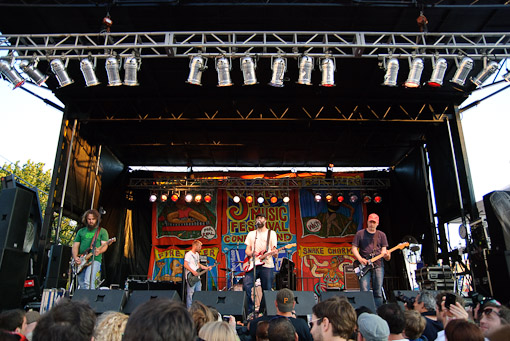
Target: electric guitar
x=85, y=258
x=192, y=280
x=361, y=270
x=248, y=261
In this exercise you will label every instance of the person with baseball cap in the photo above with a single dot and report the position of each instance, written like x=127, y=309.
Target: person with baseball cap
x=369, y=243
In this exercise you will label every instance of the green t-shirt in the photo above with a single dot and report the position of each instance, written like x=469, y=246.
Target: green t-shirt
x=85, y=236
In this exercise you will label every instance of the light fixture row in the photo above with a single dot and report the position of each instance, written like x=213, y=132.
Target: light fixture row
x=439, y=66
x=351, y=197
x=163, y=196
x=249, y=198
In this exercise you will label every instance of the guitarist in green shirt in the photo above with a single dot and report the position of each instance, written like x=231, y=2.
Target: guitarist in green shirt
x=82, y=246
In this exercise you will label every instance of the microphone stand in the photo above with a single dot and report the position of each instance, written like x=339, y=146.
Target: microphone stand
x=92, y=264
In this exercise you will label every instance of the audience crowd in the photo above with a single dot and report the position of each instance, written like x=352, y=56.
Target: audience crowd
x=429, y=317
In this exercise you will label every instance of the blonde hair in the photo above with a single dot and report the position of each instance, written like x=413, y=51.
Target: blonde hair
x=110, y=326
x=200, y=314
x=415, y=324
x=217, y=331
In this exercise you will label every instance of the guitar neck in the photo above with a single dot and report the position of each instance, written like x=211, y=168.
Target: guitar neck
x=205, y=270
x=376, y=258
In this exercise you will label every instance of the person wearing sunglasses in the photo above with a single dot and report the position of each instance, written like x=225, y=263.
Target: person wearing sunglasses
x=493, y=316
x=333, y=319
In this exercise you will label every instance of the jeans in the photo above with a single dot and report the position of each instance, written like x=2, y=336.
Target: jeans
x=190, y=291
x=266, y=280
x=84, y=276
x=376, y=276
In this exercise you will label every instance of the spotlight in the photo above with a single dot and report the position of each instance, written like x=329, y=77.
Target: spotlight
x=377, y=198
x=463, y=71
x=318, y=197
x=197, y=65
x=279, y=66
x=223, y=69
x=340, y=197
x=286, y=198
x=390, y=77
x=236, y=199
x=305, y=70
x=59, y=69
x=198, y=198
x=163, y=197
x=436, y=79
x=507, y=77
x=87, y=69
x=367, y=198
x=353, y=197
x=11, y=74
x=153, y=197
x=328, y=67
x=112, y=71
x=273, y=198
x=248, y=67
x=188, y=197
x=208, y=197
x=174, y=197
x=329, y=197
x=249, y=198
x=35, y=74
x=413, y=80
x=131, y=67
x=485, y=73
x=260, y=199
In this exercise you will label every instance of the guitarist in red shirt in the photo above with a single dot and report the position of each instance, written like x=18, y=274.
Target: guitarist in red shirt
x=367, y=244
x=262, y=244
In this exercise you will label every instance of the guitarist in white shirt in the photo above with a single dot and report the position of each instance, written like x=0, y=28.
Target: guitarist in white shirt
x=192, y=264
x=257, y=243
x=82, y=244
x=364, y=247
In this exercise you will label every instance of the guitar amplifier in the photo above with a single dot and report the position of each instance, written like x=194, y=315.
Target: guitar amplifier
x=351, y=281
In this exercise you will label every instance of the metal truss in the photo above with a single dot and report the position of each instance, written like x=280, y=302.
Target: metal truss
x=258, y=184
x=261, y=44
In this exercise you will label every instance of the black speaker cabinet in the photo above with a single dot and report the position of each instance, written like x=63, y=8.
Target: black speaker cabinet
x=305, y=300
x=497, y=211
x=58, y=267
x=138, y=297
x=15, y=204
x=226, y=302
x=102, y=300
x=13, y=272
x=499, y=271
x=356, y=298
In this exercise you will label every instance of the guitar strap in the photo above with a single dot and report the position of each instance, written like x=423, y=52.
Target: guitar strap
x=267, y=241
x=93, y=242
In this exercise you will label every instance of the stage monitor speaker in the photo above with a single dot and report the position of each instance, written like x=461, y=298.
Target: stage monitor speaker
x=102, y=300
x=497, y=211
x=138, y=297
x=58, y=267
x=305, y=300
x=13, y=272
x=226, y=302
x=15, y=204
x=356, y=298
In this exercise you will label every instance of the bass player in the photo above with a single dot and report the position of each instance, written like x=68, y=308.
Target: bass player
x=260, y=242
x=367, y=244
x=90, y=238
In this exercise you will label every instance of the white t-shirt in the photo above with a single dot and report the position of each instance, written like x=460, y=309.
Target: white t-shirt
x=260, y=247
x=192, y=259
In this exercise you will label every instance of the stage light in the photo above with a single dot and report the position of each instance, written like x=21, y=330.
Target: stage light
x=153, y=197
x=318, y=197
x=174, y=197
x=198, y=198
x=236, y=199
x=131, y=67
x=305, y=70
x=391, y=75
x=353, y=197
x=367, y=198
x=87, y=69
x=507, y=77
x=249, y=198
x=208, y=197
x=188, y=197
x=377, y=198
x=436, y=79
x=197, y=65
x=30, y=68
x=327, y=66
x=485, y=73
x=163, y=197
x=59, y=69
x=248, y=67
x=279, y=66
x=413, y=79
x=286, y=198
x=340, y=198
x=463, y=70
x=223, y=69
x=11, y=74
x=329, y=197
x=260, y=199
x=112, y=66
x=273, y=198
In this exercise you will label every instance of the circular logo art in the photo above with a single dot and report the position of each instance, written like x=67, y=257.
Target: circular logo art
x=314, y=225
x=208, y=232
